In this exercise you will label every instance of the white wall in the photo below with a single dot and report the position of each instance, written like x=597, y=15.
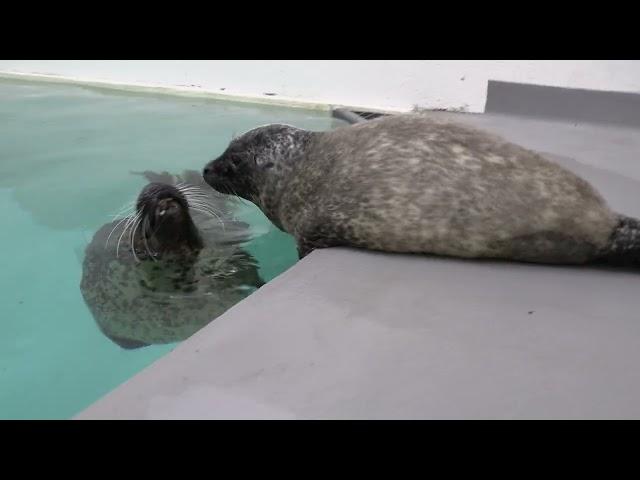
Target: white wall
x=394, y=85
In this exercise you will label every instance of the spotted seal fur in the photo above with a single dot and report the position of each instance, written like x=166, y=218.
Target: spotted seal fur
x=163, y=272
x=414, y=183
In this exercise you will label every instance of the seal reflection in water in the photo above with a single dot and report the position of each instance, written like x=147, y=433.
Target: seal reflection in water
x=415, y=183
x=163, y=272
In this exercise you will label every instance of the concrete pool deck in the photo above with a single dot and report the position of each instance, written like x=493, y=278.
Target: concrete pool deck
x=364, y=335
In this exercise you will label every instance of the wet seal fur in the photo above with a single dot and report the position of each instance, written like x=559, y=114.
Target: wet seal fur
x=416, y=184
x=173, y=274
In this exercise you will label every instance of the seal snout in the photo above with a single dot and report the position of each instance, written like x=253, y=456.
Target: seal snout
x=208, y=173
x=219, y=167
x=217, y=173
x=159, y=202
x=166, y=206
x=167, y=223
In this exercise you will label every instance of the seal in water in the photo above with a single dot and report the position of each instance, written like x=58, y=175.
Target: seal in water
x=413, y=183
x=163, y=272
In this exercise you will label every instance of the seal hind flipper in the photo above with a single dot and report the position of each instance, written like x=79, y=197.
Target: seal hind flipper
x=623, y=248
x=154, y=177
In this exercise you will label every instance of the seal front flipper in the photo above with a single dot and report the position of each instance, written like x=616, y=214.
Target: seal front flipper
x=304, y=249
x=127, y=344
x=318, y=230
x=308, y=244
x=302, y=252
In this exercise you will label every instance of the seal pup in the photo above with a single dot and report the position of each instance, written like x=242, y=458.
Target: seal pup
x=173, y=265
x=412, y=183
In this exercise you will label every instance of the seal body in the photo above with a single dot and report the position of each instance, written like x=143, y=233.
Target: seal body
x=412, y=183
x=170, y=268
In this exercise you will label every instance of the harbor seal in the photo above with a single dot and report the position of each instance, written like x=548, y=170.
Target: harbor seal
x=163, y=272
x=412, y=183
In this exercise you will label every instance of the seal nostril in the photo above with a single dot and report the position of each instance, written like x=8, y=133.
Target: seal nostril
x=206, y=171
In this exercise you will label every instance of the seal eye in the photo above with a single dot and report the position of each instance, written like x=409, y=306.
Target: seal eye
x=261, y=162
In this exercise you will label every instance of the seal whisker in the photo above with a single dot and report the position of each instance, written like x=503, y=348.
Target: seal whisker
x=201, y=203
x=126, y=210
x=145, y=228
x=132, y=238
x=185, y=186
x=198, y=209
x=127, y=226
x=115, y=217
x=114, y=229
x=203, y=199
x=127, y=207
x=189, y=188
x=203, y=209
x=237, y=197
x=130, y=222
x=198, y=192
x=201, y=195
x=233, y=197
x=195, y=193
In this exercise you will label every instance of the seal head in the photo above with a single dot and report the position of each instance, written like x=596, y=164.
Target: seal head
x=166, y=223
x=256, y=165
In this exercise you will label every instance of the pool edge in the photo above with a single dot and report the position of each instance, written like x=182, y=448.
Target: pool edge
x=187, y=91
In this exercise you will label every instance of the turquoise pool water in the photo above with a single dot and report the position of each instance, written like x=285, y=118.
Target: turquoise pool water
x=66, y=153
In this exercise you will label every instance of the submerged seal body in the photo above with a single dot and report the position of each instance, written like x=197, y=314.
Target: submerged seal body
x=413, y=183
x=172, y=266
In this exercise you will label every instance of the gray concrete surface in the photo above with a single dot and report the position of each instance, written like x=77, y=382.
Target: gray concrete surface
x=354, y=334
x=570, y=104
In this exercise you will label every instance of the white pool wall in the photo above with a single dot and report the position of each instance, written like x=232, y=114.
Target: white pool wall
x=377, y=85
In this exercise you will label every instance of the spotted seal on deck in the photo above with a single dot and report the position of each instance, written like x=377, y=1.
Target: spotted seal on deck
x=416, y=183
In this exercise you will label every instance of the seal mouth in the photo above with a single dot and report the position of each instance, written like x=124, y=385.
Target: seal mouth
x=212, y=177
x=159, y=203
x=221, y=186
x=165, y=219
x=167, y=207
x=228, y=178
